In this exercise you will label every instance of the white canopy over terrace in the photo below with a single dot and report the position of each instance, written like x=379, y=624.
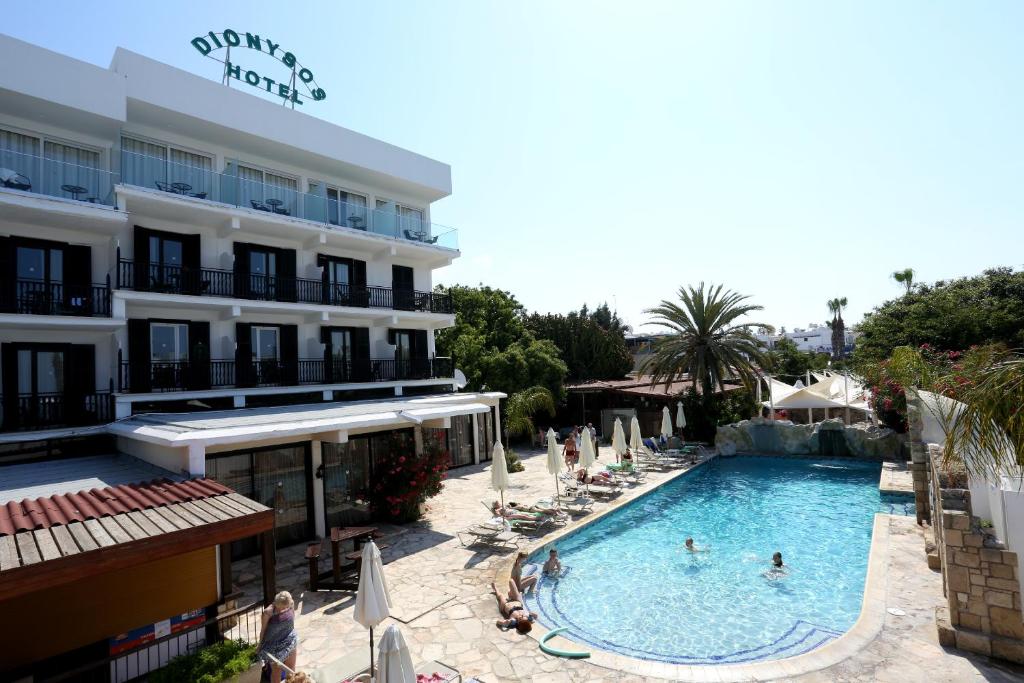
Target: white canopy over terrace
x=831, y=391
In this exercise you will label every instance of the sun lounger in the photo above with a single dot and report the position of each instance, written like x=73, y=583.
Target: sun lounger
x=537, y=522
x=497, y=533
x=573, y=503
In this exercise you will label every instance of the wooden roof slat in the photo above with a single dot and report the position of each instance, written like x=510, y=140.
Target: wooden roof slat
x=229, y=510
x=47, y=546
x=173, y=518
x=114, y=529
x=144, y=523
x=82, y=536
x=205, y=515
x=8, y=553
x=99, y=534
x=245, y=502
x=227, y=502
x=215, y=512
x=165, y=525
x=129, y=525
x=65, y=541
x=183, y=512
x=27, y=547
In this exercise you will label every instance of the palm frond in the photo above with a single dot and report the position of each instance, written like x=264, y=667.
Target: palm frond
x=523, y=405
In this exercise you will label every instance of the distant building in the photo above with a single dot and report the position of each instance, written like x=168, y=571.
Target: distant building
x=816, y=338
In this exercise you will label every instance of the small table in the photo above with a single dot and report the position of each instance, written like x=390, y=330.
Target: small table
x=355, y=221
x=333, y=578
x=181, y=188
x=273, y=202
x=74, y=190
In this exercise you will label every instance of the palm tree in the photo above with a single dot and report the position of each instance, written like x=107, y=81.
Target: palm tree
x=706, y=341
x=835, y=307
x=905, y=277
x=522, y=406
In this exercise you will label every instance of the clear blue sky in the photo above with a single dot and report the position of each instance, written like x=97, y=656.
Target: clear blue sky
x=617, y=150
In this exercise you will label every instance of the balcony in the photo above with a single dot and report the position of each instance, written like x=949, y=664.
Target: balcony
x=279, y=198
x=163, y=376
x=56, y=178
x=34, y=412
x=228, y=284
x=37, y=297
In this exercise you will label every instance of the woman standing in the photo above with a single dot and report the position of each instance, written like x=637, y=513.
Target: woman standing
x=277, y=635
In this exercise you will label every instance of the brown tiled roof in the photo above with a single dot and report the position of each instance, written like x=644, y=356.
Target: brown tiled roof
x=63, y=509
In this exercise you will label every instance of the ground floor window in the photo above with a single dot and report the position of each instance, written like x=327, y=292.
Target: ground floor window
x=460, y=440
x=346, y=482
x=485, y=434
x=279, y=477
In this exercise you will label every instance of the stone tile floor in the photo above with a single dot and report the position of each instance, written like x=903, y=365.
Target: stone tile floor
x=446, y=611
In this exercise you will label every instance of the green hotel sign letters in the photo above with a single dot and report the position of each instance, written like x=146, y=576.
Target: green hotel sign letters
x=287, y=89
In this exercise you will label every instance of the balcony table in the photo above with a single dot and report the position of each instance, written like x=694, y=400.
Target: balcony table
x=74, y=190
x=181, y=188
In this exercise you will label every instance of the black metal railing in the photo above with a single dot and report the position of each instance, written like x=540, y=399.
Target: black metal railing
x=173, y=279
x=159, y=376
x=38, y=297
x=242, y=623
x=57, y=409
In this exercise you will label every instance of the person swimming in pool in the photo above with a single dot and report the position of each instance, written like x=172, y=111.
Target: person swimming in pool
x=553, y=567
x=778, y=569
x=692, y=548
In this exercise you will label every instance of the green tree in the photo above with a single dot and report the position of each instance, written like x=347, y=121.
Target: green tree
x=787, y=360
x=905, y=277
x=952, y=316
x=707, y=341
x=835, y=307
x=521, y=408
x=492, y=346
x=589, y=349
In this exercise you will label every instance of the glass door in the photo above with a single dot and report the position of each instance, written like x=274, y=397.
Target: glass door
x=281, y=480
x=263, y=274
x=460, y=440
x=168, y=355
x=339, y=274
x=346, y=482
x=266, y=354
x=341, y=355
x=165, y=262
x=40, y=275
x=40, y=386
x=403, y=354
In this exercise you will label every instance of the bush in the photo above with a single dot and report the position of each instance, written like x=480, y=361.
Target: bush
x=705, y=415
x=408, y=479
x=211, y=664
x=512, y=461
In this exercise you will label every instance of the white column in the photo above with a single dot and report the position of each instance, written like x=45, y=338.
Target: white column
x=238, y=401
x=316, y=448
x=398, y=391
x=810, y=411
x=476, y=441
x=196, y=460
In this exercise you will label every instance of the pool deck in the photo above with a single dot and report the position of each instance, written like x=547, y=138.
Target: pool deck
x=444, y=606
x=896, y=478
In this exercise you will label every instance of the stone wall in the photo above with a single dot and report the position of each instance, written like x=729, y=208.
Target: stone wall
x=830, y=437
x=979, y=576
x=919, y=461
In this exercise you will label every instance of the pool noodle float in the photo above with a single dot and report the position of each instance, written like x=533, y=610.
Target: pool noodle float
x=555, y=651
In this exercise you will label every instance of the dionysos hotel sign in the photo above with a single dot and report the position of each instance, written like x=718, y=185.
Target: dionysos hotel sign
x=287, y=88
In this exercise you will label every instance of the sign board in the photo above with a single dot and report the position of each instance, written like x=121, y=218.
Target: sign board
x=298, y=85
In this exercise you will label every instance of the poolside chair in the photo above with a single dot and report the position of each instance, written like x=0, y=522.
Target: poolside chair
x=496, y=533
x=559, y=518
x=541, y=521
x=575, y=503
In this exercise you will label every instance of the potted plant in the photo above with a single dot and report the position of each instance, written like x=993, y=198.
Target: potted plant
x=229, y=661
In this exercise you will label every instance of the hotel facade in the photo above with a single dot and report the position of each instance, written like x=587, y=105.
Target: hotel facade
x=219, y=285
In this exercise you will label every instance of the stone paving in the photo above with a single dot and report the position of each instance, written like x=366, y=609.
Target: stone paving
x=446, y=611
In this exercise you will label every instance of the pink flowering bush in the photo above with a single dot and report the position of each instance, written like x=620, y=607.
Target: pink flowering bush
x=406, y=480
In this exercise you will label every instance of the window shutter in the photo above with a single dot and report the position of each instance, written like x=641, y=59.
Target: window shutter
x=79, y=380
x=191, y=262
x=141, y=255
x=290, y=353
x=138, y=355
x=9, y=367
x=391, y=337
x=198, y=355
x=286, y=285
x=243, y=354
x=78, y=278
x=9, y=275
x=361, y=354
x=360, y=296
x=419, y=343
x=241, y=269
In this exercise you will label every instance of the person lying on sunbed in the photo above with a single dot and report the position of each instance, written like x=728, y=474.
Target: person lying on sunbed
x=513, y=612
x=603, y=478
x=515, y=513
x=550, y=512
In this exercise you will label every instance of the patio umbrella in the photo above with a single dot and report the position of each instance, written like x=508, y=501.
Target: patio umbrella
x=587, y=455
x=680, y=417
x=666, y=423
x=499, y=471
x=373, y=603
x=636, y=440
x=554, y=459
x=618, y=440
x=394, y=663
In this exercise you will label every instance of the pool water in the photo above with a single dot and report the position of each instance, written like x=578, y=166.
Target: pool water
x=631, y=588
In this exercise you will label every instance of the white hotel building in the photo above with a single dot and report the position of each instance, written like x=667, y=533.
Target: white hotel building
x=204, y=279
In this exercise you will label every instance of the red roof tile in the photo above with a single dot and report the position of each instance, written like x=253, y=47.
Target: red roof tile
x=42, y=513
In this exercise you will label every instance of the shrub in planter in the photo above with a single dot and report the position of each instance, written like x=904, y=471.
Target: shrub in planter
x=512, y=461
x=211, y=664
x=405, y=481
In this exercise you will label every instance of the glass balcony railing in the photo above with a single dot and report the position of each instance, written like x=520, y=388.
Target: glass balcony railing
x=56, y=178
x=277, y=198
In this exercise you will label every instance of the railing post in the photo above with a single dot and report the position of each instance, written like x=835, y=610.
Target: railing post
x=120, y=369
x=117, y=266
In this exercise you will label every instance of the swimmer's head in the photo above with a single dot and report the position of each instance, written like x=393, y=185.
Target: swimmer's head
x=777, y=559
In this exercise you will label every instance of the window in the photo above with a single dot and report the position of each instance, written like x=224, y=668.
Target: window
x=166, y=256
x=19, y=160
x=40, y=264
x=341, y=344
x=168, y=342
x=40, y=372
x=262, y=273
x=403, y=347
x=402, y=221
x=267, y=191
x=265, y=345
x=338, y=272
x=62, y=167
x=346, y=208
x=163, y=167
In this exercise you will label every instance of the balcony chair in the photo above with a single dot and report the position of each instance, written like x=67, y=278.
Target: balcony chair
x=14, y=180
x=282, y=211
x=198, y=195
x=410, y=236
x=164, y=186
x=259, y=206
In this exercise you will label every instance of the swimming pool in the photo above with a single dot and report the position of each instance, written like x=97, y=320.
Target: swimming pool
x=631, y=588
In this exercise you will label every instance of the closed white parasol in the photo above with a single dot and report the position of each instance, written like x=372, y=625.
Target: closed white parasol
x=394, y=664
x=499, y=471
x=373, y=603
x=618, y=440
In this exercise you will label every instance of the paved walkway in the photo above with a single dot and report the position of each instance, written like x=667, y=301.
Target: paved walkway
x=445, y=608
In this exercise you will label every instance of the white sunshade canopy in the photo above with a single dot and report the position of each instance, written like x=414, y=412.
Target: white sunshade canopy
x=835, y=391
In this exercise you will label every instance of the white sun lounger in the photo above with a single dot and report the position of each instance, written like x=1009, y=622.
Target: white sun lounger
x=496, y=533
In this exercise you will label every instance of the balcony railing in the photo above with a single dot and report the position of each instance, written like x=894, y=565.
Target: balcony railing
x=38, y=297
x=159, y=376
x=56, y=178
x=225, y=283
x=53, y=410
x=280, y=197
